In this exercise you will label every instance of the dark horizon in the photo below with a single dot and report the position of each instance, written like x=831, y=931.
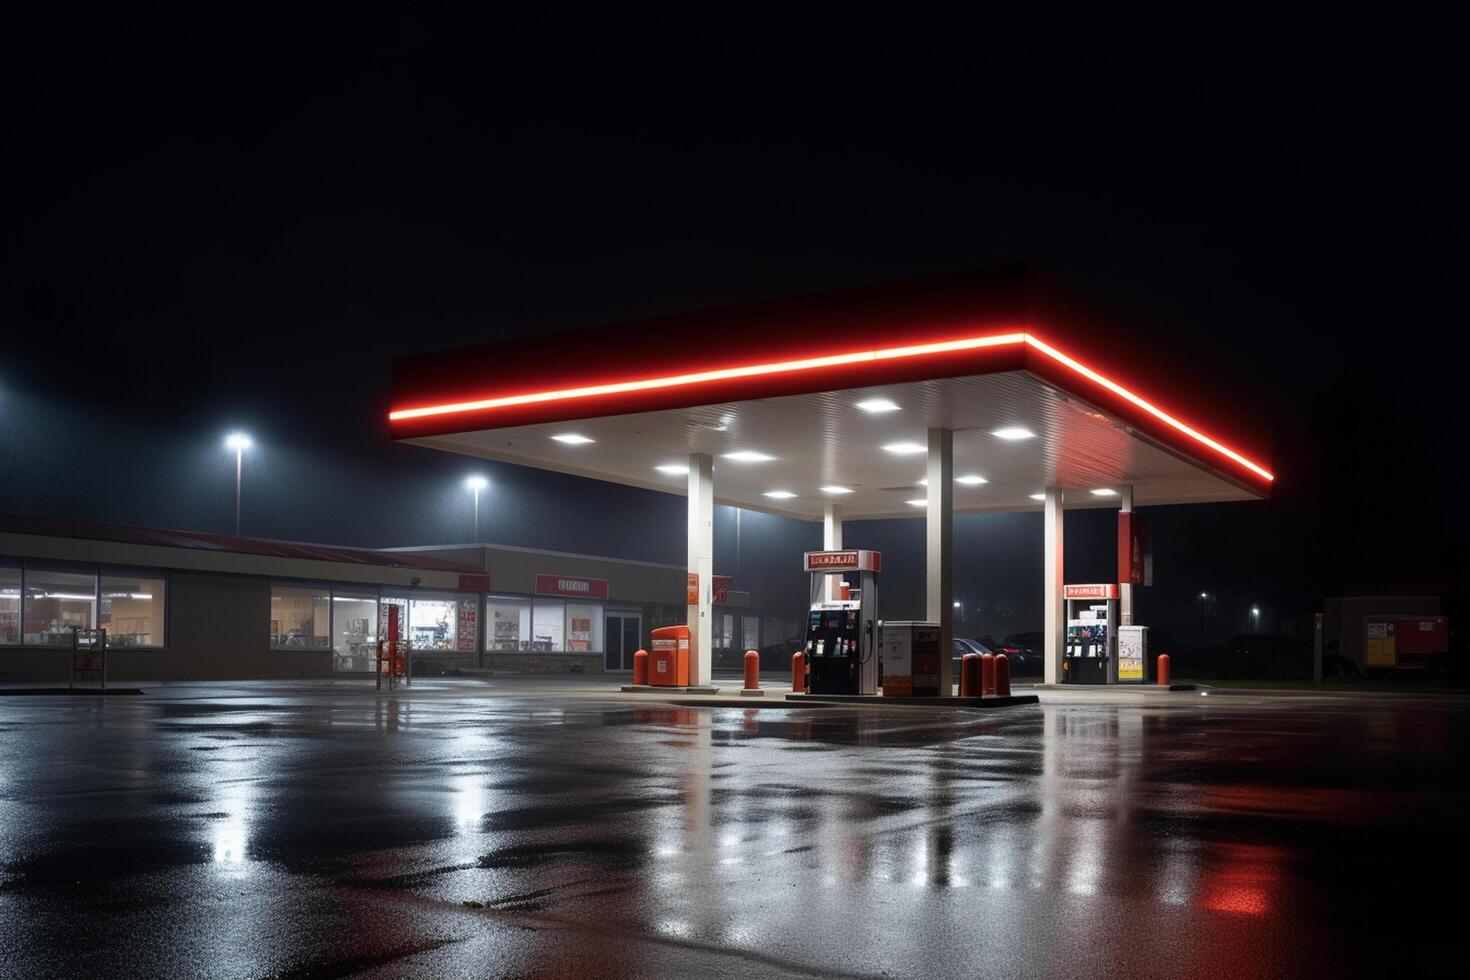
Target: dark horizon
x=199, y=238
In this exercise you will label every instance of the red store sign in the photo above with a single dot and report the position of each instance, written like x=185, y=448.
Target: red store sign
x=568, y=585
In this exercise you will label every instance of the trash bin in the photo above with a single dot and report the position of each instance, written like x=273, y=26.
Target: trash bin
x=668, y=657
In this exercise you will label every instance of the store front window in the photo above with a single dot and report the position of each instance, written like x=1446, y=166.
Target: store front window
x=548, y=624
x=433, y=624
x=723, y=637
x=301, y=617
x=584, y=627
x=354, y=629
x=56, y=603
x=131, y=609
x=750, y=632
x=9, y=605
x=507, y=623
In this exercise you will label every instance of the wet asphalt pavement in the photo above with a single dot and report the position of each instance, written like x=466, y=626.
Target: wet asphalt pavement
x=262, y=831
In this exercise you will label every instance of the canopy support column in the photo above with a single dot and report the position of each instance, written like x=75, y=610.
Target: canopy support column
x=832, y=541
x=701, y=565
x=1125, y=587
x=1054, y=624
x=939, y=550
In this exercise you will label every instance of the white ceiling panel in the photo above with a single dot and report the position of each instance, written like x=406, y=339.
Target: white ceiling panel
x=823, y=439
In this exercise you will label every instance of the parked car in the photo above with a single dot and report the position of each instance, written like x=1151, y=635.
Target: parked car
x=1024, y=650
x=1262, y=656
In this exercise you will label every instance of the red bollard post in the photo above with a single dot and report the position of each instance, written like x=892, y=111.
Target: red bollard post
x=987, y=673
x=752, y=670
x=1002, y=675
x=798, y=673
x=640, y=667
x=970, y=675
x=1163, y=669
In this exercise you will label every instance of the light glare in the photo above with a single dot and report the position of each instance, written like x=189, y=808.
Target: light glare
x=1013, y=433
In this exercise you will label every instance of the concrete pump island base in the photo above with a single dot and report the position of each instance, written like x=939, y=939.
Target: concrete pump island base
x=983, y=392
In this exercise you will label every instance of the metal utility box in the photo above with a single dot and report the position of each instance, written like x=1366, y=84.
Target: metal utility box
x=668, y=657
x=1132, y=654
x=910, y=658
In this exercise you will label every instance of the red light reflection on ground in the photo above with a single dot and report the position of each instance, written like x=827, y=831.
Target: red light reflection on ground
x=1242, y=879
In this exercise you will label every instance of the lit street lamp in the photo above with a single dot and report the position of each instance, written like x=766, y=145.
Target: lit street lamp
x=1203, y=598
x=476, y=484
x=239, y=442
x=1255, y=618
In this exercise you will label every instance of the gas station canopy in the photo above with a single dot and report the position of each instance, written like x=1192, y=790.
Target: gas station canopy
x=827, y=399
x=986, y=391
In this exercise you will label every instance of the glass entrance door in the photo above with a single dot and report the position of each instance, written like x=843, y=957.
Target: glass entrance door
x=623, y=636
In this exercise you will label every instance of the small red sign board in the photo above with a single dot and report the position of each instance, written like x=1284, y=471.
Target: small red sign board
x=474, y=583
x=1107, y=590
x=719, y=594
x=569, y=585
x=843, y=561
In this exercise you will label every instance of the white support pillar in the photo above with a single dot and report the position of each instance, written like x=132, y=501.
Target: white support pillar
x=1125, y=588
x=701, y=564
x=1054, y=622
x=939, y=550
x=832, y=541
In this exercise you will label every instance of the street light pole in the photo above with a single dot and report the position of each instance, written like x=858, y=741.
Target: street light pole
x=1202, y=597
x=239, y=442
x=476, y=484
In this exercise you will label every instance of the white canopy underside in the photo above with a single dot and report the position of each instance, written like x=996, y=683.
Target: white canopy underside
x=823, y=439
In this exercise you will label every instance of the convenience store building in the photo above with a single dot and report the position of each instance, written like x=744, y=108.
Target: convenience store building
x=182, y=605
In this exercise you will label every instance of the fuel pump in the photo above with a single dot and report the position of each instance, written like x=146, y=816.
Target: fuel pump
x=1091, y=654
x=842, y=634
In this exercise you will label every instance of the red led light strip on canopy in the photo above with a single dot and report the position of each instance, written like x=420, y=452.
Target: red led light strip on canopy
x=835, y=360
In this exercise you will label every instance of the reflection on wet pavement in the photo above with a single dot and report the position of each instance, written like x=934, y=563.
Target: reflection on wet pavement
x=236, y=833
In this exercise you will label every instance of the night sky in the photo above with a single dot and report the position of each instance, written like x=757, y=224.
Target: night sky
x=220, y=221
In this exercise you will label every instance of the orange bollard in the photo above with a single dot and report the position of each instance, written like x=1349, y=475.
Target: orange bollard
x=798, y=673
x=752, y=670
x=987, y=673
x=1163, y=669
x=1002, y=675
x=970, y=675
x=640, y=667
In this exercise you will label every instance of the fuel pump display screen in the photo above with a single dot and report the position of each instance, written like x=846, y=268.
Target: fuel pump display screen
x=832, y=633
